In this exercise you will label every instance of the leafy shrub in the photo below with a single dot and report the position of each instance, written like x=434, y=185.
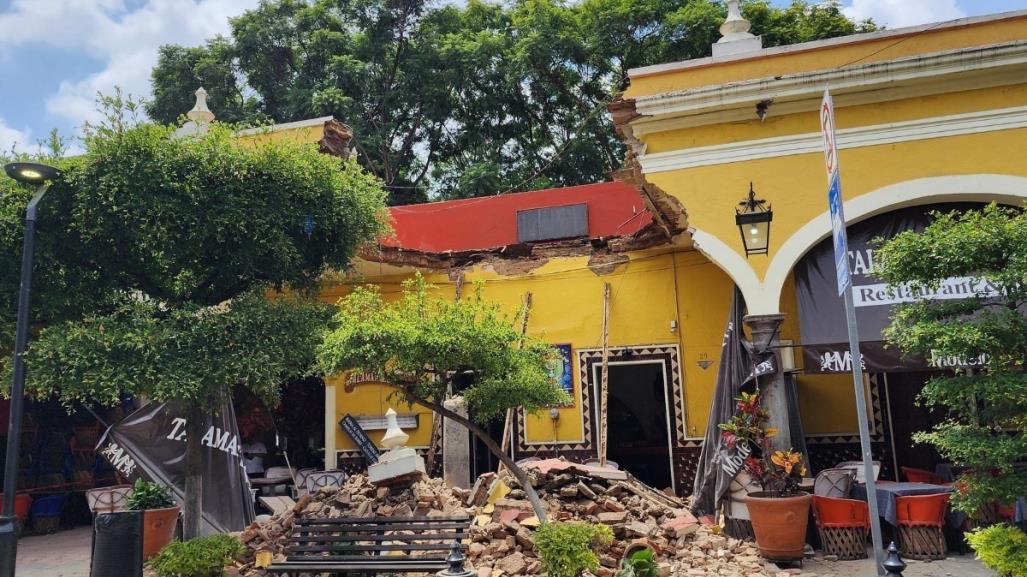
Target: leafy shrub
x=203, y=557
x=642, y=563
x=567, y=549
x=1002, y=548
x=146, y=495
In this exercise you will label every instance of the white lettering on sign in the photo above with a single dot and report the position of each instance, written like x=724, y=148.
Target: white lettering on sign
x=732, y=464
x=839, y=361
x=954, y=288
x=952, y=361
x=119, y=459
x=214, y=438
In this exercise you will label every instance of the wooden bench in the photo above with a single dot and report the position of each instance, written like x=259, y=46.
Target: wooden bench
x=372, y=545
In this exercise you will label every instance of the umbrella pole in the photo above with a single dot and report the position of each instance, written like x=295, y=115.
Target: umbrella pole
x=605, y=380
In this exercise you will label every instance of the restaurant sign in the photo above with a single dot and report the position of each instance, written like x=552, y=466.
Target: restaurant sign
x=822, y=314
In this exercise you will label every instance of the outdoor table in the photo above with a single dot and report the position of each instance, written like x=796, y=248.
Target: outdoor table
x=271, y=482
x=887, y=491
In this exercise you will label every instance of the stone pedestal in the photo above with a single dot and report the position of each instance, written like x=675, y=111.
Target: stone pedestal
x=456, y=447
x=398, y=466
x=765, y=335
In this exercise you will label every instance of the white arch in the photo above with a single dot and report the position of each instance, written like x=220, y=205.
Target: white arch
x=732, y=263
x=765, y=297
x=969, y=187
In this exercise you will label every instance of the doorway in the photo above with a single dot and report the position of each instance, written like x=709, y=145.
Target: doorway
x=907, y=418
x=638, y=434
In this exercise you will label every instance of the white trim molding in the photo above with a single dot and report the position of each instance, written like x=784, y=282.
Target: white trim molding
x=819, y=44
x=320, y=121
x=765, y=297
x=907, y=77
x=861, y=136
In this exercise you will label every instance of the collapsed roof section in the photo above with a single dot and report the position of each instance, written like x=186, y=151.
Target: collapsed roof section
x=520, y=231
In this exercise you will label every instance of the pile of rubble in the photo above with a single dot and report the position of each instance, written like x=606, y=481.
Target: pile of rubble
x=502, y=532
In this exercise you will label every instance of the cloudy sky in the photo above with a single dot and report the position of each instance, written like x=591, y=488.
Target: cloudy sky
x=55, y=55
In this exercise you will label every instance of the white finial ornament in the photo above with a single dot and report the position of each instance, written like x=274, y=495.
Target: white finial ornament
x=735, y=36
x=200, y=114
x=394, y=436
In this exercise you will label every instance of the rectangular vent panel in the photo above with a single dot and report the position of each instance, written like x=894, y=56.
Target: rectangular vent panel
x=552, y=223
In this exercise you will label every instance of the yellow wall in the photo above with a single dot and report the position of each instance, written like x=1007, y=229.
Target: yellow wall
x=796, y=185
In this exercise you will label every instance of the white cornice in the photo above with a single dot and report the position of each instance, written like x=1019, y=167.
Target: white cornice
x=935, y=73
x=811, y=142
x=896, y=33
x=285, y=126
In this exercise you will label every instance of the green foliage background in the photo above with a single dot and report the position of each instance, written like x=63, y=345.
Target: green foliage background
x=986, y=426
x=1002, y=548
x=458, y=100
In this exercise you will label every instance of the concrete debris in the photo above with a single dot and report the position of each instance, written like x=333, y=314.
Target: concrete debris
x=500, y=542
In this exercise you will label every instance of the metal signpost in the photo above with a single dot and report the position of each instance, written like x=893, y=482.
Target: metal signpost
x=841, y=260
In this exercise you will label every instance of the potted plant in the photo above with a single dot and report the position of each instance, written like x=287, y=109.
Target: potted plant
x=780, y=512
x=160, y=515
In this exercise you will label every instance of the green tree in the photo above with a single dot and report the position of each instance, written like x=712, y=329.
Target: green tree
x=986, y=429
x=457, y=101
x=430, y=349
x=156, y=258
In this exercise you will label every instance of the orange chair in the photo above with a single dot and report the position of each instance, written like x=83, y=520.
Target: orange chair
x=921, y=521
x=843, y=525
x=922, y=476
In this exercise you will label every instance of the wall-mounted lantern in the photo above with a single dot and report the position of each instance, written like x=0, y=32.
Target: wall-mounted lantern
x=753, y=221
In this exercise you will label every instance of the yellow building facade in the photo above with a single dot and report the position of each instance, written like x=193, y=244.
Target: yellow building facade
x=930, y=116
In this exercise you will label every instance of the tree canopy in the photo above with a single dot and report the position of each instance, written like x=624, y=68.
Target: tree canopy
x=430, y=349
x=155, y=254
x=986, y=426
x=450, y=101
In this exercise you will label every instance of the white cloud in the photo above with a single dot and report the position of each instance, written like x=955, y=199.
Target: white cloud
x=125, y=40
x=12, y=137
x=899, y=13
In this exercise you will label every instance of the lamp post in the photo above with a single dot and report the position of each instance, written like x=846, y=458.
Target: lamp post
x=38, y=174
x=753, y=221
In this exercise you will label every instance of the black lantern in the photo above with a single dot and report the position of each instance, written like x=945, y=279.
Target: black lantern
x=753, y=221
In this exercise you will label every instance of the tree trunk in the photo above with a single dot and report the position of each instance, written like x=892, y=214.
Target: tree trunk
x=194, y=430
x=518, y=473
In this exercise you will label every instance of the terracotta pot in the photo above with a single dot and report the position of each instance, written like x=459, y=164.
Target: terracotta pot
x=780, y=524
x=158, y=529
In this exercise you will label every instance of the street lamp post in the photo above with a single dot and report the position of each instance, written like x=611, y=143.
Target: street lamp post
x=39, y=174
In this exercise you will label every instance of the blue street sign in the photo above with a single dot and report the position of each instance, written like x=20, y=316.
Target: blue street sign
x=841, y=243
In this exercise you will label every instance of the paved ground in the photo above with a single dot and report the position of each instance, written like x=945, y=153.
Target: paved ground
x=62, y=554
x=954, y=566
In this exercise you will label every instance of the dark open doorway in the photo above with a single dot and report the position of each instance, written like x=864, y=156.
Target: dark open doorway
x=638, y=436
x=909, y=417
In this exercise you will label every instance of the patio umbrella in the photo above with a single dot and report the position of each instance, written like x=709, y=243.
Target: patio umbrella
x=150, y=443
x=718, y=463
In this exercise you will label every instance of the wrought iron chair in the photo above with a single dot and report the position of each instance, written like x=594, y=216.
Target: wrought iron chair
x=300, y=488
x=843, y=525
x=108, y=499
x=858, y=467
x=321, y=479
x=834, y=483
x=921, y=522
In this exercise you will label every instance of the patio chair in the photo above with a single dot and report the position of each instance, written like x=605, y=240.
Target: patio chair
x=834, y=483
x=843, y=525
x=322, y=479
x=858, y=467
x=300, y=488
x=108, y=499
x=923, y=476
x=921, y=521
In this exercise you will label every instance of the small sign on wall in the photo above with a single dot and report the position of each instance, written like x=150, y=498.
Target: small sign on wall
x=563, y=371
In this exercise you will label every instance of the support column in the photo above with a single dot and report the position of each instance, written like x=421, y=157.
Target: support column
x=765, y=336
x=456, y=447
